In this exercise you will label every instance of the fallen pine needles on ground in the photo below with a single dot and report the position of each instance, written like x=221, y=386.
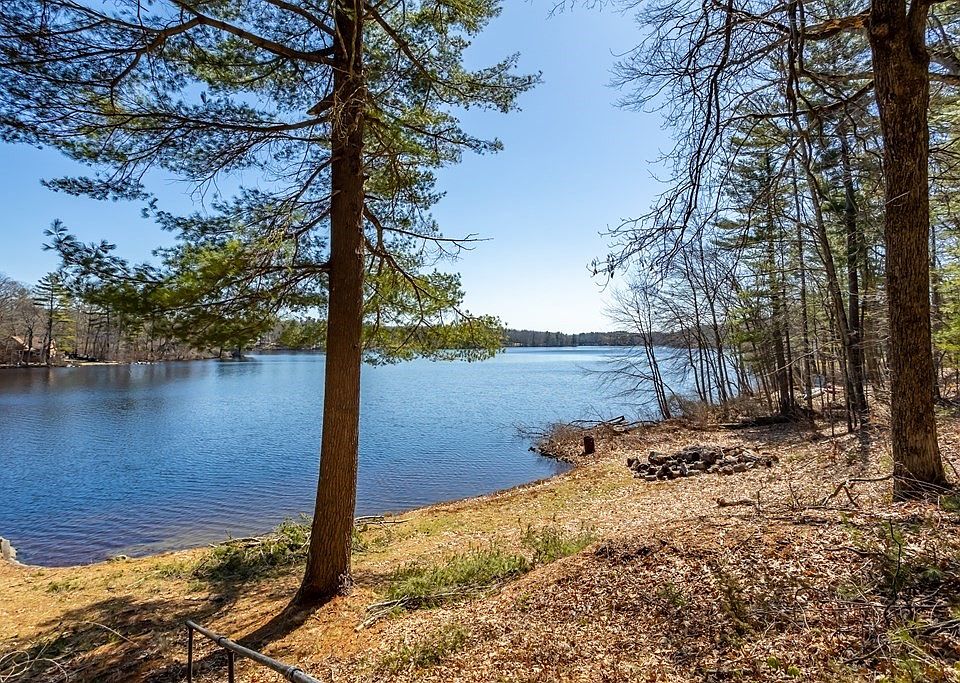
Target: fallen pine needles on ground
x=803, y=571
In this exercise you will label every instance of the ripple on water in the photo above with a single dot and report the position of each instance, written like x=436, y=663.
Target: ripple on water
x=102, y=460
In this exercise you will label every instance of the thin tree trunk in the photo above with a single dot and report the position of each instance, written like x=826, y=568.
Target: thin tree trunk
x=822, y=239
x=838, y=313
x=657, y=379
x=854, y=254
x=804, y=322
x=723, y=380
x=785, y=403
x=900, y=64
x=328, y=560
x=936, y=319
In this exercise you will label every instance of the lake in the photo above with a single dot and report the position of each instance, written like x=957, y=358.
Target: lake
x=102, y=460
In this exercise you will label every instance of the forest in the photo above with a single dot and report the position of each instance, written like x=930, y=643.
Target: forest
x=52, y=324
x=542, y=338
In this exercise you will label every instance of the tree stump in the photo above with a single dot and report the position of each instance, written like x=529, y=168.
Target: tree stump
x=589, y=445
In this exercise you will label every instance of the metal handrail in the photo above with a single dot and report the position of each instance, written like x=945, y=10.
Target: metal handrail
x=291, y=673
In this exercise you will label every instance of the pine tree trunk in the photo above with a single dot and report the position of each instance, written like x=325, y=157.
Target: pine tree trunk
x=805, y=348
x=328, y=560
x=785, y=399
x=936, y=316
x=838, y=313
x=901, y=63
x=858, y=397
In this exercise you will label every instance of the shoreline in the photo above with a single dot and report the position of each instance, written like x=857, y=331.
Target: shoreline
x=465, y=501
x=252, y=352
x=96, y=537
x=99, y=364
x=613, y=565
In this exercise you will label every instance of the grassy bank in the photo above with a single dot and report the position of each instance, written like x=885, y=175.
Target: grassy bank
x=594, y=575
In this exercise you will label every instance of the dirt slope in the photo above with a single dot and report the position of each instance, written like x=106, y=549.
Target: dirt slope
x=796, y=584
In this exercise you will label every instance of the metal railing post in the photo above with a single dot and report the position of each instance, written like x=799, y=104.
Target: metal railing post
x=189, y=653
x=291, y=673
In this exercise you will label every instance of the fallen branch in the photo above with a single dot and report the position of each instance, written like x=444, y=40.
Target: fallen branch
x=376, y=519
x=14, y=666
x=107, y=628
x=245, y=541
x=933, y=629
x=844, y=486
x=379, y=610
x=721, y=503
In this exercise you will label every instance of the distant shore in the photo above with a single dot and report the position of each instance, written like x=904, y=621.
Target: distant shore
x=101, y=363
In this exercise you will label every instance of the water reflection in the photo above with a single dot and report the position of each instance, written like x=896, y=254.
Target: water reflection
x=100, y=460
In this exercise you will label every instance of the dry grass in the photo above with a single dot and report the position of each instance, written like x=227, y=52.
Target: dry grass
x=668, y=586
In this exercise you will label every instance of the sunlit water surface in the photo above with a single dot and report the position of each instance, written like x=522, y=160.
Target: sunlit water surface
x=96, y=461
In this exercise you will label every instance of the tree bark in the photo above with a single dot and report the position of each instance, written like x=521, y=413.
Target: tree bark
x=936, y=316
x=804, y=317
x=778, y=320
x=855, y=251
x=901, y=63
x=328, y=560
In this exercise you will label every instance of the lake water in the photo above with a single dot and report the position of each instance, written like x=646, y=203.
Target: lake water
x=96, y=461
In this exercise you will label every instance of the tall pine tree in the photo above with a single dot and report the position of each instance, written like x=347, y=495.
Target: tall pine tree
x=342, y=108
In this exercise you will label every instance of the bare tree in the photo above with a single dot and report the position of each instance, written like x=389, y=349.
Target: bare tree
x=719, y=70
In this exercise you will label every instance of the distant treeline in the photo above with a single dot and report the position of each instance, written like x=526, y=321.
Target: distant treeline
x=540, y=338
x=309, y=334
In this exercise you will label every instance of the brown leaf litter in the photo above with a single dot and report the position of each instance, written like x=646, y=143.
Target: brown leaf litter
x=815, y=576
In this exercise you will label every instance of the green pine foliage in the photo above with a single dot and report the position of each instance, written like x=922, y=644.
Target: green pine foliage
x=203, y=91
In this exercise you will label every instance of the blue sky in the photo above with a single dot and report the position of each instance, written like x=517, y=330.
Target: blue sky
x=573, y=165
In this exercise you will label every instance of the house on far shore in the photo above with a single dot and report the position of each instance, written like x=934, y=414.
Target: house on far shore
x=14, y=351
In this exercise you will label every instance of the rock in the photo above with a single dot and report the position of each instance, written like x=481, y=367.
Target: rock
x=697, y=459
x=7, y=551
